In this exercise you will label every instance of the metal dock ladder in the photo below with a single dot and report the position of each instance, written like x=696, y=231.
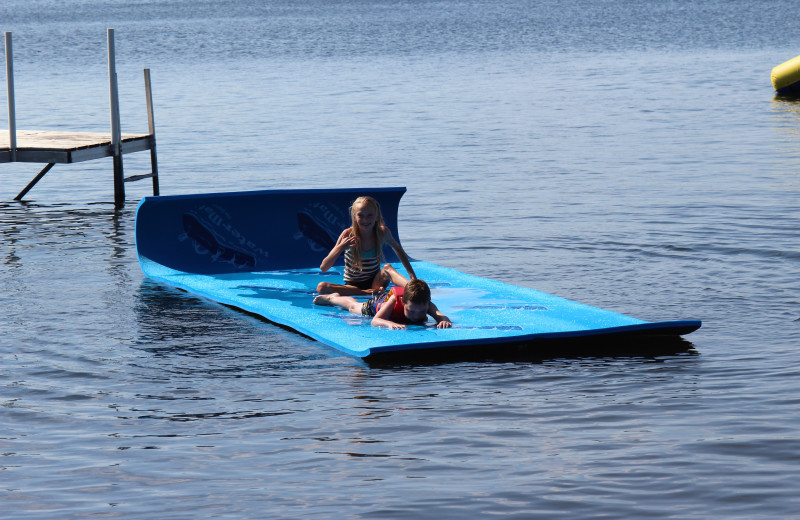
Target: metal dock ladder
x=68, y=147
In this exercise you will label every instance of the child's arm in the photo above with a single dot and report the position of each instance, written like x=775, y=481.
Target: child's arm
x=345, y=241
x=398, y=250
x=442, y=321
x=381, y=318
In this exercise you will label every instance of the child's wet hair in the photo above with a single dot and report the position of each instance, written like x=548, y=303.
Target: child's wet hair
x=417, y=291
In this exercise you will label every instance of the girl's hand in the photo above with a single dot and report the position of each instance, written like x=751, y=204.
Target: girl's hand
x=397, y=326
x=346, y=241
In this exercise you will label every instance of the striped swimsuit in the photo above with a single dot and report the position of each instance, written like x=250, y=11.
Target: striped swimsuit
x=370, y=266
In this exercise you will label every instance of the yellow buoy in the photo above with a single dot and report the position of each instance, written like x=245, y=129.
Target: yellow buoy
x=786, y=75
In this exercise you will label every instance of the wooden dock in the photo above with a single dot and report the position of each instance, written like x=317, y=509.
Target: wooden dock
x=60, y=147
x=41, y=146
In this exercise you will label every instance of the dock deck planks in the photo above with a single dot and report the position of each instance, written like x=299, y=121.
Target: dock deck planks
x=43, y=146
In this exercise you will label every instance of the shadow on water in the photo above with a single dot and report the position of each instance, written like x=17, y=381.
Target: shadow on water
x=791, y=95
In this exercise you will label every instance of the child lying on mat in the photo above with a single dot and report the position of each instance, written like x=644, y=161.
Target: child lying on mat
x=393, y=308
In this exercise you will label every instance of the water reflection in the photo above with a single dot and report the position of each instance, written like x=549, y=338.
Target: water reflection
x=786, y=111
x=172, y=322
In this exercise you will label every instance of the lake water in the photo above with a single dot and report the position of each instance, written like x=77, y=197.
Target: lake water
x=627, y=155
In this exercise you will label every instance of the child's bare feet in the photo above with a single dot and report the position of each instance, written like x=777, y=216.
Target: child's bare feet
x=324, y=299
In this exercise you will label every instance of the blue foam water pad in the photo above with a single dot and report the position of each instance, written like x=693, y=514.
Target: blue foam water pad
x=483, y=311
x=260, y=251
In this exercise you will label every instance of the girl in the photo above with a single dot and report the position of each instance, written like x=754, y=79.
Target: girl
x=362, y=245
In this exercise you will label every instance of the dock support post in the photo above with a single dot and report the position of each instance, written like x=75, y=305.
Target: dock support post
x=151, y=123
x=116, y=134
x=12, y=114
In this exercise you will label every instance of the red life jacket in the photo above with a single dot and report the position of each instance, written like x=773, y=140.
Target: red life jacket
x=398, y=316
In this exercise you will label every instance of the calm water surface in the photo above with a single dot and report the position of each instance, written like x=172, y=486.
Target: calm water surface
x=628, y=155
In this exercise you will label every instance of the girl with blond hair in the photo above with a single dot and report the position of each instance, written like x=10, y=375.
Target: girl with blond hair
x=362, y=245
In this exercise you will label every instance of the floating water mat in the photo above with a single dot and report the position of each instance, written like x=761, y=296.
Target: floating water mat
x=260, y=252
